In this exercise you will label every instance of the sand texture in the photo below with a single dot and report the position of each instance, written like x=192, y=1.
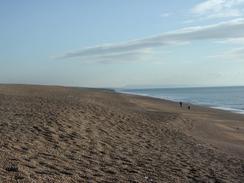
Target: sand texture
x=59, y=134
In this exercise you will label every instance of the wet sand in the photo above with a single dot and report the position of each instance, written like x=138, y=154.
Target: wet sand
x=61, y=134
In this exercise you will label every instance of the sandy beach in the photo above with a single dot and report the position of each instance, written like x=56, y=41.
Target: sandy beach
x=62, y=134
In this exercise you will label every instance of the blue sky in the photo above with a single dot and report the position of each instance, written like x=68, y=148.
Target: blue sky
x=112, y=43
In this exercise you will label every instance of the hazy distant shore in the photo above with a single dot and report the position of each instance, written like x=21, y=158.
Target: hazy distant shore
x=64, y=134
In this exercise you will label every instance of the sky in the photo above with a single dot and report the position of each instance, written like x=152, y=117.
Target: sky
x=129, y=43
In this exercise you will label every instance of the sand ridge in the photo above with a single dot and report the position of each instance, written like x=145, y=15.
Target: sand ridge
x=60, y=134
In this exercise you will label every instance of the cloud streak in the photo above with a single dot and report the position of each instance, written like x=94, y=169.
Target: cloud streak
x=225, y=30
x=216, y=5
x=234, y=54
x=219, y=8
x=134, y=55
x=235, y=41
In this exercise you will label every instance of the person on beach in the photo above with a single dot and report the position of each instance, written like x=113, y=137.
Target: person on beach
x=181, y=104
x=189, y=107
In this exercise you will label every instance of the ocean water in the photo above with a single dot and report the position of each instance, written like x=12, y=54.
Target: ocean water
x=225, y=98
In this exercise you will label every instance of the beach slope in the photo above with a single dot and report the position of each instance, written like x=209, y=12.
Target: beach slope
x=61, y=134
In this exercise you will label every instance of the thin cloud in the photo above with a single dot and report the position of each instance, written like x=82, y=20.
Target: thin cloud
x=165, y=14
x=131, y=56
x=226, y=30
x=234, y=54
x=219, y=8
x=235, y=41
x=237, y=53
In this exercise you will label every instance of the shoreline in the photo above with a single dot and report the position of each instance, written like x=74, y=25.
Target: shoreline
x=222, y=108
x=221, y=121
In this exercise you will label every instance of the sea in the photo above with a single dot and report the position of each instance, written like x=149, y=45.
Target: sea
x=225, y=98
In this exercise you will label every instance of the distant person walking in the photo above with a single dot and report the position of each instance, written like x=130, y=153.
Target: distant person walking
x=181, y=104
x=189, y=107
